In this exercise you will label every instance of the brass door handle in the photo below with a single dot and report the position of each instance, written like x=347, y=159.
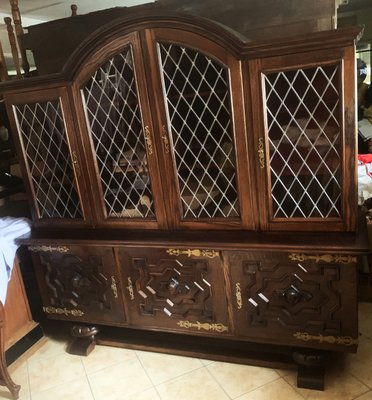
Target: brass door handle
x=261, y=153
x=164, y=136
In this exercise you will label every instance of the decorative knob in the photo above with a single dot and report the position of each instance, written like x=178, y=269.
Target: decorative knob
x=292, y=295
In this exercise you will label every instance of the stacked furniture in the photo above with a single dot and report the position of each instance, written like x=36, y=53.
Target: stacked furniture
x=194, y=193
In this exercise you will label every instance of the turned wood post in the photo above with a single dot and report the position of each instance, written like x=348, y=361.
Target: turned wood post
x=19, y=32
x=5, y=379
x=13, y=45
x=3, y=67
x=73, y=10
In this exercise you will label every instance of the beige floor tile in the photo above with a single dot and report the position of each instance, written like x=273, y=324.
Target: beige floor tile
x=238, y=379
x=360, y=364
x=367, y=396
x=339, y=385
x=365, y=319
x=50, y=349
x=105, y=356
x=116, y=382
x=20, y=377
x=196, y=385
x=77, y=389
x=277, y=390
x=163, y=367
x=206, y=362
x=149, y=394
x=47, y=373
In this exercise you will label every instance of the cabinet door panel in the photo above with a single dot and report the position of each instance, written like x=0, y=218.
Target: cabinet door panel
x=120, y=135
x=290, y=298
x=79, y=283
x=202, y=129
x=46, y=139
x=308, y=171
x=174, y=292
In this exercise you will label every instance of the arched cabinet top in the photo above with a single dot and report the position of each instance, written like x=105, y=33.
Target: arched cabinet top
x=151, y=18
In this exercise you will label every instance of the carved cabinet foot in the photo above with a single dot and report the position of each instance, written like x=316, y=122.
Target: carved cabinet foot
x=84, y=340
x=311, y=367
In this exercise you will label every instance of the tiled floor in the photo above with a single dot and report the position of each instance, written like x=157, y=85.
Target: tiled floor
x=112, y=374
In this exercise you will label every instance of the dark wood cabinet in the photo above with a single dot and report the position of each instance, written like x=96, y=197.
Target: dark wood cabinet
x=301, y=297
x=79, y=283
x=173, y=289
x=189, y=182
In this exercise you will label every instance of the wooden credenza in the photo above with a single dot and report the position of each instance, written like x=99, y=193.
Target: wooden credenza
x=195, y=193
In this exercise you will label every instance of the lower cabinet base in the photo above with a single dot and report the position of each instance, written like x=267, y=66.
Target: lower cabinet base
x=309, y=363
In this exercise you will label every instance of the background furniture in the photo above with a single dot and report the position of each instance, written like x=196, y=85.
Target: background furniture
x=196, y=192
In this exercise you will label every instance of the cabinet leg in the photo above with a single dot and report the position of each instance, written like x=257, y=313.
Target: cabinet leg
x=5, y=379
x=84, y=340
x=311, y=367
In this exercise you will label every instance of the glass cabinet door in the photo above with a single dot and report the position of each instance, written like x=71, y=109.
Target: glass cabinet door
x=200, y=87
x=50, y=156
x=120, y=134
x=305, y=139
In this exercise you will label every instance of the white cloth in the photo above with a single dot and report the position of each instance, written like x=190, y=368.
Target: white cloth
x=10, y=229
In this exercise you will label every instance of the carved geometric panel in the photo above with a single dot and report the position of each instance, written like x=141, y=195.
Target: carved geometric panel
x=283, y=296
x=175, y=292
x=79, y=284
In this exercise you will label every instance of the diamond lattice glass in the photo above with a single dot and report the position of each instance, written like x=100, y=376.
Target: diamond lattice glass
x=304, y=133
x=115, y=124
x=198, y=105
x=43, y=134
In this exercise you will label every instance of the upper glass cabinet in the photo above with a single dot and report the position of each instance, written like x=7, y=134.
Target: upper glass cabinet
x=197, y=95
x=50, y=156
x=119, y=138
x=306, y=145
x=305, y=138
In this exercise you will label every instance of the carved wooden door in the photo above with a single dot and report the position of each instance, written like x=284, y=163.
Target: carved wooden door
x=294, y=298
x=175, y=290
x=78, y=283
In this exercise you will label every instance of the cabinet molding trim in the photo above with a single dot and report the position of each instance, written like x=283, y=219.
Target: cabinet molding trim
x=194, y=252
x=343, y=340
x=114, y=287
x=59, y=249
x=337, y=258
x=130, y=288
x=206, y=326
x=73, y=312
x=238, y=295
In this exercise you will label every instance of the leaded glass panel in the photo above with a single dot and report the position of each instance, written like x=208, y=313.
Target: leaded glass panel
x=196, y=89
x=304, y=133
x=43, y=134
x=115, y=124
